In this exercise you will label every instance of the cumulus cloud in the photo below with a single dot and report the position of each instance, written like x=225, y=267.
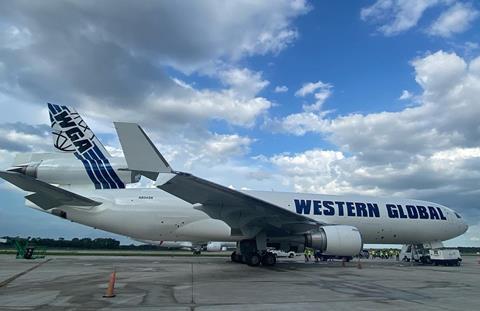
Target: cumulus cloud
x=281, y=89
x=310, y=87
x=114, y=61
x=227, y=145
x=396, y=16
x=393, y=17
x=321, y=92
x=311, y=119
x=308, y=170
x=113, y=58
x=430, y=151
x=298, y=123
x=21, y=137
x=237, y=103
x=456, y=19
x=445, y=118
x=243, y=81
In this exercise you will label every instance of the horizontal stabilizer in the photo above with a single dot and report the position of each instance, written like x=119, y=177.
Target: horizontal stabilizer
x=139, y=151
x=45, y=195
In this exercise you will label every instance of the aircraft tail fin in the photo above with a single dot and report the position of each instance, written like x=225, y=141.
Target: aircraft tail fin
x=70, y=132
x=72, y=135
x=140, y=153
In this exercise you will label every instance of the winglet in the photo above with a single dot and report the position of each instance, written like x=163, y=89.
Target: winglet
x=139, y=151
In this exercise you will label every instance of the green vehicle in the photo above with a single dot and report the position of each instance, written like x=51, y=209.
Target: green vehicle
x=26, y=250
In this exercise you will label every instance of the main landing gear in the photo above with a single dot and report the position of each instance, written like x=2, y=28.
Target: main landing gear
x=255, y=259
x=248, y=253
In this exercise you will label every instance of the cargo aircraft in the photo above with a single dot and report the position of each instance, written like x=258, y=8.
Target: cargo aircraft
x=183, y=207
x=66, y=169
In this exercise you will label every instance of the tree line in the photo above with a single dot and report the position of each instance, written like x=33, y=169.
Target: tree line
x=75, y=243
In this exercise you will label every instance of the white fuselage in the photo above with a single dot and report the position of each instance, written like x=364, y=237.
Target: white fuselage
x=152, y=214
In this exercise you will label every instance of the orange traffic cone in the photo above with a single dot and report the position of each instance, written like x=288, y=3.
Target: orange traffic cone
x=111, y=286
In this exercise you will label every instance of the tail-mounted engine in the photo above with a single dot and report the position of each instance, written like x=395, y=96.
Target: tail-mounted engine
x=68, y=170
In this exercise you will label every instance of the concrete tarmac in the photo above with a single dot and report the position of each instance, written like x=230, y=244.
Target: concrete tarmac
x=214, y=283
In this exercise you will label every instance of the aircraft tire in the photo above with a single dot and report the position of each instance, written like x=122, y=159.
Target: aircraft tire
x=269, y=260
x=235, y=258
x=253, y=260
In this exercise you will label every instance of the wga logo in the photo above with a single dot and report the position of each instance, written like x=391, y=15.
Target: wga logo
x=70, y=137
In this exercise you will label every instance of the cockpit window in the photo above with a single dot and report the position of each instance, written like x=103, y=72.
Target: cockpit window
x=458, y=216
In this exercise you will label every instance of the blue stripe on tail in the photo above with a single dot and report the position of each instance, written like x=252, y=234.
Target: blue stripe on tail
x=119, y=183
x=102, y=168
x=96, y=171
x=89, y=171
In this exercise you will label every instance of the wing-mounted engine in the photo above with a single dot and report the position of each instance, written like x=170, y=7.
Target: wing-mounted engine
x=338, y=240
x=214, y=247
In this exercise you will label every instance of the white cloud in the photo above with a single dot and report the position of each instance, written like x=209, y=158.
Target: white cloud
x=437, y=73
x=281, y=89
x=299, y=123
x=456, y=154
x=130, y=57
x=21, y=137
x=308, y=170
x=227, y=145
x=405, y=95
x=396, y=16
x=243, y=81
x=456, y=19
x=200, y=105
x=321, y=92
x=310, y=87
x=445, y=117
x=429, y=151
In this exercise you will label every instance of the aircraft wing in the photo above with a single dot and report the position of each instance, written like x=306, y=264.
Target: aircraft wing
x=244, y=213
x=45, y=195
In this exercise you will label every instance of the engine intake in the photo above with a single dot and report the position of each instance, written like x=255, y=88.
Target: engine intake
x=338, y=240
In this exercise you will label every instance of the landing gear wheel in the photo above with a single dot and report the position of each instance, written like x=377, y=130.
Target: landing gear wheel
x=269, y=259
x=235, y=258
x=253, y=260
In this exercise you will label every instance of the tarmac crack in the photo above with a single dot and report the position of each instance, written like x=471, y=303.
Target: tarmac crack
x=16, y=276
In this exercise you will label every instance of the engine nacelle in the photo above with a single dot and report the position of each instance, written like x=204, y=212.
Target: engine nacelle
x=214, y=247
x=70, y=171
x=338, y=240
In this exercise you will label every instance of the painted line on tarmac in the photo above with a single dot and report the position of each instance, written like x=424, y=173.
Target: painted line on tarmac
x=16, y=276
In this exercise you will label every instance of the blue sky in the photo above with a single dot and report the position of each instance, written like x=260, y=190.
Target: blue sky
x=371, y=97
